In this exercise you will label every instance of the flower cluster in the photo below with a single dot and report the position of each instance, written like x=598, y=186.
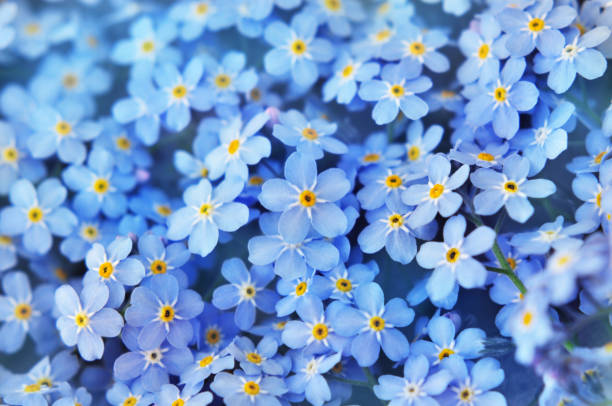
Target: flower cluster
x=324, y=202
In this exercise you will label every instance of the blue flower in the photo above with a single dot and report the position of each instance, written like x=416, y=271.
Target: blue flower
x=215, y=329
x=577, y=56
x=15, y=161
x=290, y=259
x=8, y=11
x=502, y=99
x=488, y=156
x=343, y=281
x=598, y=147
x=536, y=26
x=36, y=214
x=419, y=145
x=84, y=321
x=169, y=395
x=163, y=311
x=206, y=364
x=337, y=14
x=161, y=260
x=397, y=90
x=98, y=185
x=441, y=330
x=452, y=260
x=120, y=394
x=8, y=252
x=373, y=324
x=70, y=397
x=306, y=199
x=296, y=49
x=246, y=291
x=382, y=185
x=298, y=290
x=313, y=334
x=509, y=188
x=416, y=387
x=415, y=44
x=240, y=389
x=374, y=151
x=310, y=138
x=474, y=386
x=437, y=196
x=257, y=360
x=196, y=16
x=548, y=234
x=112, y=268
x=138, y=108
x=308, y=378
x=126, y=148
x=207, y=212
x=239, y=147
x=594, y=194
x=342, y=86
x=23, y=311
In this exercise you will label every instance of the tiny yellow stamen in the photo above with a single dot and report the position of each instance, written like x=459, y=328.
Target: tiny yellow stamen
x=500, y=94
x=511, y=187
x=251, y=388
x=233, y=146
x=23, y=311
x=371, y=157
x=206, y=209
x=106, y=270
x=254, y=358
x=393, y=181
x=397, y=91
x=445, y=353
x=344, y=285
x=485, y=156
x=179, y=91
x=158, y=267
x=222, y=81
x=300, y=289
x=81, y=320
x=35, y=214
x=333, y=5
x=536, y=25
x=483, y=51
x=377, y=323
x=452, y=255
x=213, y=336
x=63, y=128
x=298, y=47
x=166, y=314
x=101, y=186
x=414, y=153
x=206, y=361
x=436, y=191
x=308, y=198
x=123, y=143
x=417, y=48
x=10, y=154
x=396, y=220
x=147, y=46
x=310, y=133
x=320, y=331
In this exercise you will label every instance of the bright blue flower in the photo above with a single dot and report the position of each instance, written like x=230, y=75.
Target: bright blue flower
x=452, y=260
x=342, y=86
x=298, y=290
x=598, y=147
x=483, y=49
x=15, y=159
x=160, y=260
x=196, y=16
x=239, y=147
x=35, y=32
x=474, y=385
x=548, y=234
x=290, y=259
x=308, y=378
x=530, y=325
x=257, y=360
x=437, y=196
x=23, y=312
x=36, y=214
x=8, y=11
x=206, y=363
x=310, y=138
x=246, y=291
x=296, y=49
x=83, y=322
x=509, y=188
x=306, y=199
x=138, y=108
x=61, y=132
x=416, y=387
x=124, y=145
x=373, y=324
x=240, y=389
x=412, y=43
x=249, y=15
x=536, y=26
x=164, y=311
x=382, y=185
x=343, y=281
x=595, y=195
x=153, y=204
x=207, y=212
x=375, y=150
x=488, y=156
x=502, y=99
x=169, y=395
x=98, y=185
x=70, y=398
x=215, y=329
x=313, y=333
x=119, y=393
x=441, y=330
x=338, y=15
x=8, y=252
x=576, y=56
x=86, y=233
x=396, y=90
x=112, y=267
x=152, y=365
x=419, y=145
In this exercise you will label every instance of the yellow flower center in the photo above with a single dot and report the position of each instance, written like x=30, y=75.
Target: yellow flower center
x=580, y=27
x=254, y=358
x=100, y=186
x=35, y=214
x=166, y=313
x=308, y=198
x=452, y=255
x=447, y=94
x=46, y=381
x=179, y=91
x=213, y=336
x=90, y=233
x=123, y=143
x=32, y=28
x=92, y=41
x=485, y=156
x=23, y=311
x=445, y=353
x=158, y=267
x=63, y=128
x=598, y=158
x=310, y=133
x=10, y=154
x=106, y=270
x=512, y=262
x=417, y=48
x=204, y=172
x=414, y=153
x=384, y=8
x=70, y=81
x=500, y=94
x=320, y=331
x=130, y=401
x=396, y=220
x=536, y=25
x=81, y=320
x=178, y=402
x=598, y=200
x=300, y=288
x=163, y=210
x=251, y=388
x=527, y=318
x=147, y=46
x=483, y=51
x=466, y=395
x=60, y=274
x=377, y=323
x=280, y=325
x=511, y=187
x=201, y=8
x=233, y=146
x=255, y=94
x=5, y=240
x=256, y=180
x=206, y=209
x=34, y=387
x=206, y=361
x=371, y=157
x=249, y=291
x=393, y=181
x=436, y=191
x=298, y=47
x=344, y=285
x=397, y=91
x=333, y=5
x=222, y=81
x=347, y=71
x=383, y=35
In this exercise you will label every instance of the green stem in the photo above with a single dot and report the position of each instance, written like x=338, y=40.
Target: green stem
x=506, y=269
